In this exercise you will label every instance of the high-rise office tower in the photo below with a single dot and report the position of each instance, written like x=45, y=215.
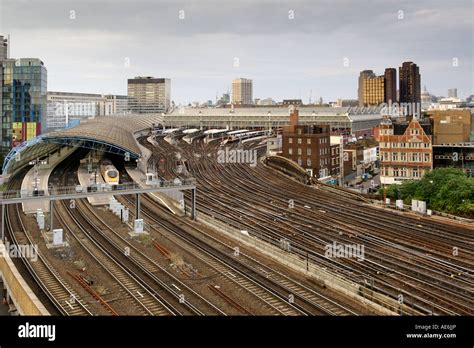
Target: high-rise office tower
x=242, y=92
x=371, y=88
x=374, y=90
x=390, y=85
x=23, y=88
x=4, y=53
x=147, y=94
x=360, y=92
x=410, y=83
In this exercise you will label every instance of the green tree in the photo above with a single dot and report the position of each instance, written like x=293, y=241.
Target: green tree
x=445, y=189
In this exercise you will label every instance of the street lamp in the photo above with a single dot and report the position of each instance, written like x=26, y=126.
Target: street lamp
x=35, y=163
x=269, y=122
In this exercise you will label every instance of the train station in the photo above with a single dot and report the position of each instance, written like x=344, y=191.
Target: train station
x=159, y=192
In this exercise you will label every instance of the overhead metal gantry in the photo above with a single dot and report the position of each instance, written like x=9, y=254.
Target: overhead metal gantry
x=78, y=192
x=92, y=144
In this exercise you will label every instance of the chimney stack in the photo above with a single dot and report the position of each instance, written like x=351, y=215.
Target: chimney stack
x=294, y=117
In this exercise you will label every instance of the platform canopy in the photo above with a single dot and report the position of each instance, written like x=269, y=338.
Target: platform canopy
x=113, y=134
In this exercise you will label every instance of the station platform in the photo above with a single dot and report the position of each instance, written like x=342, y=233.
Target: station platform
x=42, y=172
x=140, y=178
x=152, y=140
x=86, y=179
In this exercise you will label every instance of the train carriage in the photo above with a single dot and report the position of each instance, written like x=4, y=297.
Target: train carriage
x=109, y=172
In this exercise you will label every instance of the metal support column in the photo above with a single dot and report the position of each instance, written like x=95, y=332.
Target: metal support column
x=51, y=206
x=193, y=204
x=137, y=206
x=3, y=222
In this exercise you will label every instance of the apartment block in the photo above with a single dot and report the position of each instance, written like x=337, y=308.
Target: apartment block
x=310, y=147
x=405, y=150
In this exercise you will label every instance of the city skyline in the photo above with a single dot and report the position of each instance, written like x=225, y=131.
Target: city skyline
x=287, y=50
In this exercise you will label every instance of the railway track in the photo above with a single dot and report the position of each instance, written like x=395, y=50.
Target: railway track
x=254, y=275
x=435, y=283
x=57, y=290
x=146, y=300
x=196, y=303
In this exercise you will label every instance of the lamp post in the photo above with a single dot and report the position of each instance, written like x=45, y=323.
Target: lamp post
x=35, y=163
x=269, y=122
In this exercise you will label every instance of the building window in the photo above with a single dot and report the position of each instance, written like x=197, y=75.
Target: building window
x=290, y=140
x=415, y=173
x=395, y=173
x=415, y=157
x=299, y=131
x=403, y=157
x=299, y=151
x=427, y=157
x=300, y=162
x=308, y=151
x=308, y=162
x=290, y=151
x=394, y=156
x=300, y=141
x=403, y=172
x=308, y=141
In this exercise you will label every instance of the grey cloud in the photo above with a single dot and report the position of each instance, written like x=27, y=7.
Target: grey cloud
x=283, y=56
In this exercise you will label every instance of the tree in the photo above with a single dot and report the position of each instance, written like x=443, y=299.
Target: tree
x=444, y=189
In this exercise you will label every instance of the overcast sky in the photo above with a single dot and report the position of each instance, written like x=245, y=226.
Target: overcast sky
x=86, y=45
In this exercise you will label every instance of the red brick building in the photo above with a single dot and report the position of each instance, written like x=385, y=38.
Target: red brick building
x=310, y=147
x=405, y=150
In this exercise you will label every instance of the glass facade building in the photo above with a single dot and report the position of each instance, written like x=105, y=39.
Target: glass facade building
x=23, y=98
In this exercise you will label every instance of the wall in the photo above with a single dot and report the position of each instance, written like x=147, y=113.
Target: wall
x=451, y=126
x=20, y=293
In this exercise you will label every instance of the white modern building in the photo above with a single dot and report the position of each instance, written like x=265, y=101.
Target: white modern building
x=66, y=109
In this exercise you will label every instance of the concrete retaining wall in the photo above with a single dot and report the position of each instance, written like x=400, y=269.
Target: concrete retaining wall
x=367, y=297
x=18, y=290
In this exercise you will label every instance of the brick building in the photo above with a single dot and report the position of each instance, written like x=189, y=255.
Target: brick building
x=405, y=150
x=310, y=147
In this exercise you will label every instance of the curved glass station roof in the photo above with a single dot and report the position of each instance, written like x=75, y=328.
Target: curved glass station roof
x=114, y=134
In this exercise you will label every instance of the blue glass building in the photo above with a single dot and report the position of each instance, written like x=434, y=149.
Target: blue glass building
x=23, y=100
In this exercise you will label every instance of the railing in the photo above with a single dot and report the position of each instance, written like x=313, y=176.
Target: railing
x=101, y=187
